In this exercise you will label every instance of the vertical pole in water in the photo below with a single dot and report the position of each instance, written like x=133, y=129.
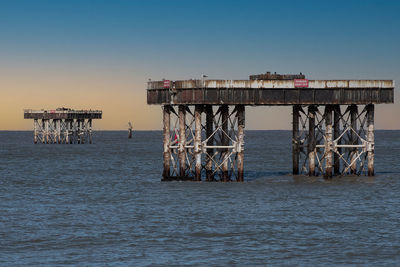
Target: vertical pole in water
x=370, y=139
x=311, y=140
x=225, y=141
x=166, y=137
x=328, y=141
x=295, y=139
x=210, y=142
x=182, y=140
x=90, y=130
x=240, y=146
x=336, y=134
x=353, y=138
x=35, y=131
x=197, y=141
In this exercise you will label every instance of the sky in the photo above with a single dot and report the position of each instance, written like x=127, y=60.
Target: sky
x=100, y=54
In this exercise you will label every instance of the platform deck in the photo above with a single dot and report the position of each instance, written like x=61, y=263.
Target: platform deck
x=270, y=92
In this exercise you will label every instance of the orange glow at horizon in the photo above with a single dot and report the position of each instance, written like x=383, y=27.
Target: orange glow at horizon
x=122, y=98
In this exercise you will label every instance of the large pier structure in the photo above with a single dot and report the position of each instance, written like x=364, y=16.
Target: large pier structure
x=204, y=121
x=62, y=125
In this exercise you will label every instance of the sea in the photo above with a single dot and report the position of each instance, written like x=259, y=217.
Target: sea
x=104, y=204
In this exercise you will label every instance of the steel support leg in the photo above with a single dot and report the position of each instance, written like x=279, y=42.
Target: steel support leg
x=225, y=141
x=197, y=141
x=353, y=138
x=46, y=125
x=370, y=139
x=58, y=131
x=311, y=140
x=90, y=130
x=240, y=147
x=182, y=141
x=328, y=141
x=336, y=134
x=35, y=131
x=295, y=139
x=166, y=137
x=210, y=142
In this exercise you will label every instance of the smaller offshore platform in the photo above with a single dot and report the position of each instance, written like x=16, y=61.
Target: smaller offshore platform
x=62, y=125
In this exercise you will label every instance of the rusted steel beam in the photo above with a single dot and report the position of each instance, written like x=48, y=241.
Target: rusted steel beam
x=370, y=139
x=225, y=141
x=311, y=140
x=182, y=141
x=295, y=139
x=336, y=134
x=328, y=141
x=210, y=142
x=353, y=138
x=197, y=141
x=166, y=141
x=240, y=147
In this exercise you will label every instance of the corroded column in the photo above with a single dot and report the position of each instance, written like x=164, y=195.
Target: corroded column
x=46, y=127
x=67, y=132
x=210, y=142
x=35, y=131
x=58, y=127
x=353, y=139
x=83, y=131
x=240, y=147
x=197, y=141
x=370, y=139
x=72, y=138
x=328, y=141
x=90, y=130
x=182, y=141
x=336, y=134
x=78, y=130
x=225, y=141
x=166, y=141
x=295, y=139
x=311, y=140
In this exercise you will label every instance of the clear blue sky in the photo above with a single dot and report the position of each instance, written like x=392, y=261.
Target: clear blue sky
x=132, y=41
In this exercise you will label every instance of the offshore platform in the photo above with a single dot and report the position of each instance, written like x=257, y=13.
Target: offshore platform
x=204, y=121
x=62, y=125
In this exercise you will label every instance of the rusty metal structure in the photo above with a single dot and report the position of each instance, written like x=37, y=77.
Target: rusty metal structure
x=204, y=120
x=275, y=76
x=62, y=125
